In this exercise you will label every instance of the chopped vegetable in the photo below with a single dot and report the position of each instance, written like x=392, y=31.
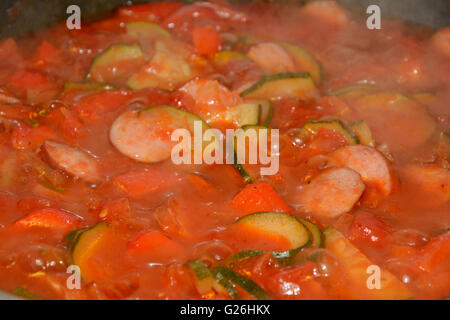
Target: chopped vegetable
x=83, y=244
x=206, y=40
x=146, y=31
x=413, y=124
x=281, y=224
x=48, y=218
x=282, y=85
x=222, y=58
x=312, y=127
x=258, y=197
x=24, y=293
x=354, y=266
x=167, y=70
x=116, y=63
x=317, y=240
x=304, y=61
x=362, y=131
x=245, y=283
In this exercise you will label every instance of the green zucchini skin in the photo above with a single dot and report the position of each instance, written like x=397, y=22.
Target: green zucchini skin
x=27, y=295
x=282, y=224
x=240, y=168
x=355, y=90
x=266, y=80
x=305, y=59
x=243, y=255
x=318, y=239
x=225, y=283
x=114, y=54
x=362, y=131
x=200, y=270
x=150, y=30
x=245, y=283
x=313, y=126
x=266, y=112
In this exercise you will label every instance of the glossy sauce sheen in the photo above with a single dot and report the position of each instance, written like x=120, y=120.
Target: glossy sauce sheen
x=59, y=170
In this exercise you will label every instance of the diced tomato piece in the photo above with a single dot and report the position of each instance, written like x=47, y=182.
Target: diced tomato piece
x=370, y=229
x=205, y=97
x=149, y=11
x=53, y=219
x=115, y=209
x=29, y=79
x=67, y=122
x=154, y=246
x=138, y=183
x=9, y=52
x=296, y=282
x=327, y=141
x=34, y=203
x=435, y=254
x=92, y=107
x=258, y=197
x=46, y=53
x=206, y=40
x=18, y=112
x=25, y=137
x=200, y=184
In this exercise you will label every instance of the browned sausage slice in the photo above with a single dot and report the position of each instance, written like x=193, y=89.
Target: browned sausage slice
x=75, y=162
x=332, y=193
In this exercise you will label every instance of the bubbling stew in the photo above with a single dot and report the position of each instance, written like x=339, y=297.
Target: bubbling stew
x=356, y=204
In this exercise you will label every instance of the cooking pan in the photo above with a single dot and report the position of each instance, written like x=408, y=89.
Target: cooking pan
x=22, y=17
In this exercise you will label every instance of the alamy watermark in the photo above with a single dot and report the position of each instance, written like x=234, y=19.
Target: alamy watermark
x=212, y=147
x=73, y=22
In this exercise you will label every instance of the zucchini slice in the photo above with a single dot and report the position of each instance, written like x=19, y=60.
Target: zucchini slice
x=116, y=63
x=225, y=283
x=362, y=131
x=241, y=115
x=312, y=127
x=207, y=281
x=168, y=71
x=25, y=294
x=245, y=169
x=353, y=91
x=354, y=266
x=204, y=279
x=317, y=237
x=243, y=255
x=222, y=58
x=146, y=30
x=281, y=224
x=304, y=60
x=266, y=111
x=82, y=244
x=414, y=125
x=282, y=85
x=245, y=283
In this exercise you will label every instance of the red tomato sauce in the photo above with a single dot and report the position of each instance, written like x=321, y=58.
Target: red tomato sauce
x=364, y=153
